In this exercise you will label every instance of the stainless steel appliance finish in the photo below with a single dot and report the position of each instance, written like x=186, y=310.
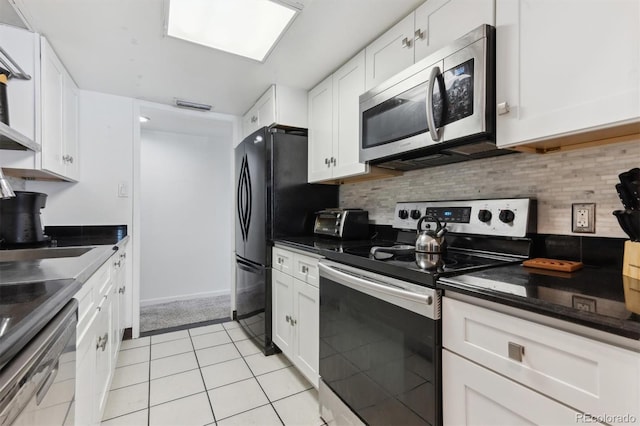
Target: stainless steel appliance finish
x=38, y=385
x=342, y=223
x=273, y=200
x=379, y=348
x=506, y=217
x=438, y=111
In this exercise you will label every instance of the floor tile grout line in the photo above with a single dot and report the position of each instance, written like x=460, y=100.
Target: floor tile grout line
x=204, y=383
x=122, y=415
x=259, y=384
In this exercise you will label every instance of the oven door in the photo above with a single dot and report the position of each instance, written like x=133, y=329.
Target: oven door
x=379, y=348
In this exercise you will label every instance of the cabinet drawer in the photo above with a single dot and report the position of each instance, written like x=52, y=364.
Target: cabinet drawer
x=282, y=260
x=585, y=374
x=305, y=268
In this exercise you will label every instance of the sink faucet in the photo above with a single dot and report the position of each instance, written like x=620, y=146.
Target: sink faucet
x=5, y=189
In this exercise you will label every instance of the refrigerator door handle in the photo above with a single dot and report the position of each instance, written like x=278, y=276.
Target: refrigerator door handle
x=244, y=199
x=239, y=201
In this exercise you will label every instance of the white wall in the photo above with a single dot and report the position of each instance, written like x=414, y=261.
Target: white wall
x=186, y=190
x=106, y=159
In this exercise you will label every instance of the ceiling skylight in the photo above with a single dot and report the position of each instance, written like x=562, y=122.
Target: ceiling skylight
x=247, y=28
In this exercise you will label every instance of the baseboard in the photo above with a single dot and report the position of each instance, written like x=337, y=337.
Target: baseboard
x=160, y=300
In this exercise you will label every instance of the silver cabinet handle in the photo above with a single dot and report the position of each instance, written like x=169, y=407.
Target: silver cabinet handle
x=431, y=122
x=304, y=269
x=102, y=341
x=287, y=318
x=516, y=351
x=503, y=108
x=71, y=159
x=418, y=34
x=333, y=160
x=254, y=119
x=123, y=256
x=293, y=321
x=121, y=290
x=116, y=263
x=406, y=42
x=65, y=158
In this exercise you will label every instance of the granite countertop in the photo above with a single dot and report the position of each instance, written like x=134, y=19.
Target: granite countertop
x=33, y=292
x=592, y=297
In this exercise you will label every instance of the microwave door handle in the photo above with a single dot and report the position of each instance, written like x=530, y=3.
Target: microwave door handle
x=431, y=122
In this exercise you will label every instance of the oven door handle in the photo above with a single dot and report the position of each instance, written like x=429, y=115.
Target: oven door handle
x=427, y=304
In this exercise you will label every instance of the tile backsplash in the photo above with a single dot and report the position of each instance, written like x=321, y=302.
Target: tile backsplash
x=556, y=180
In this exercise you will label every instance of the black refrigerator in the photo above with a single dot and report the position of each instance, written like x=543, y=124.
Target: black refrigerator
x=273, y=200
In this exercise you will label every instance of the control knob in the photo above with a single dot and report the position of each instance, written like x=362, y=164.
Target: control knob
x=507, y=216
x=403, y=214
x=415, y=214
x=484, y=215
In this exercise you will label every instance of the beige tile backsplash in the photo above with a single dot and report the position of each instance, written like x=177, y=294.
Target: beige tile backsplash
x=556, y=180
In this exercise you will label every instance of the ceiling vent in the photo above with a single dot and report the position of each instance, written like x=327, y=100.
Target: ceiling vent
x=192, y=105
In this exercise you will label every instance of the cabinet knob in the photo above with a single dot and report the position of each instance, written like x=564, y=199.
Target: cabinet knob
x=304, y=269
x=121, y=290
x=503, y=108
x=102, y=341
x=406, y=42
x=287, y=318
x=293, y=321
x=516, y=351
x=418, y=35
x=254, y=119
x=71, y=159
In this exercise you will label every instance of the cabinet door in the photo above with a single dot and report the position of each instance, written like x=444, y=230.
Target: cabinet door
x=439, y=22
x=52, y=95
x=565, y=66
x=320, y=131
x=70, y=129
x=250, y=121
x=348, y=85
x=104, y=359
x=390, y=53
x=114, y=330
x=282, y=289
x=306, y=328
x=266, y=107
x=474, y=395
x=85, y=405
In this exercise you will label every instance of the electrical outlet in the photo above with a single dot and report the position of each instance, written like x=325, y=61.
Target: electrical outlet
x=583, y=218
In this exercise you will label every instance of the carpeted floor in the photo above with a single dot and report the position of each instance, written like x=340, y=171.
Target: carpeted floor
x=184, y=312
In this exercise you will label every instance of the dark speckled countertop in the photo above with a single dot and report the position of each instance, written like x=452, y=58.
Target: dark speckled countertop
x=33, y=292
x=592, y=297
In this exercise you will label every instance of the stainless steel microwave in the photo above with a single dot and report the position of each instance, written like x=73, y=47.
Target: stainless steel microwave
x=438, y=111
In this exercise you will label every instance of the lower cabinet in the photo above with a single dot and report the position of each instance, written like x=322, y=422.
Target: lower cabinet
x=506, y=368
x=98, y=341
x=474, y=395
x=296, y=324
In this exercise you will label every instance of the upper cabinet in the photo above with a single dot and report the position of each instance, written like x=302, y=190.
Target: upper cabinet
x=44, y=108
x=280, y=105
x=59, y=104
x=422, y=32
x=334, y=123
x=566, y=69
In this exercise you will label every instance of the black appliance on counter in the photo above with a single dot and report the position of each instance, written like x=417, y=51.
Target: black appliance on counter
x=380, y=327
x=20, y=224
x=629, y=192
x=345, y=224
x=273, y=200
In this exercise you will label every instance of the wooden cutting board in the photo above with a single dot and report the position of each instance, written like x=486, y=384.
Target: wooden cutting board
x=553, y=264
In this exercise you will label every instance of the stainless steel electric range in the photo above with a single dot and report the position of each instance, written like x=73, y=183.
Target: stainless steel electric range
x=380, y=330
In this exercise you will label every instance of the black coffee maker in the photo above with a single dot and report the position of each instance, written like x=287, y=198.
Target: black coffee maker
x=20, y=224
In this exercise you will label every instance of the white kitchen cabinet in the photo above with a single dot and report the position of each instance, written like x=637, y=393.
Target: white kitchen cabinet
x=475, y=396
x=280, y=105
x=587, y=375
x=98, y=341
x=565, y=67
x=296, y=315
x=334, y=134
x=438, y=22
x=59, y=104
x=390, y=53
x=431, y=26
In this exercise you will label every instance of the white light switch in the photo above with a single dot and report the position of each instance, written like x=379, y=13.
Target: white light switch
x=123, y=190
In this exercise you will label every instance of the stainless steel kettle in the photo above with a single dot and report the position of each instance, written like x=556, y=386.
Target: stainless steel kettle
x=429, y=240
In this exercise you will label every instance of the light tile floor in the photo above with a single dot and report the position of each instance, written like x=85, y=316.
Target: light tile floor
x=206, y=376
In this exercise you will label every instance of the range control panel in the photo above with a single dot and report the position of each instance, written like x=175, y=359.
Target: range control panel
x=506, y=217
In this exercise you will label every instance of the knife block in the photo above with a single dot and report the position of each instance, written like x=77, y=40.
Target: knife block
x=631, y=276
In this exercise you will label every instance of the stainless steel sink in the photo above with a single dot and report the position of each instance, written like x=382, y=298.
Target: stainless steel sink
x=42, y=253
